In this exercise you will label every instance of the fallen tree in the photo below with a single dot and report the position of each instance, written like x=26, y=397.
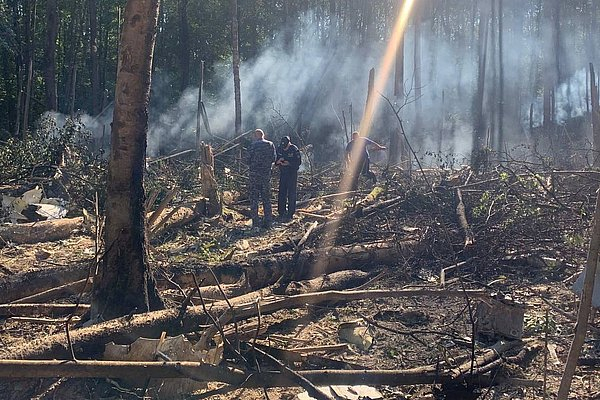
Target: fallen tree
x=234, y=376
x=91, y=340
x=258, y=273
x=42, y=231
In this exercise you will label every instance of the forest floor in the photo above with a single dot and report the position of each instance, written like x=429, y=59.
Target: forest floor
x=526, y=240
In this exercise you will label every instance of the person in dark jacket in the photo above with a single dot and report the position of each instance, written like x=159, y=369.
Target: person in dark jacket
x=288, y=160
x=261, y=155
x=357, y=157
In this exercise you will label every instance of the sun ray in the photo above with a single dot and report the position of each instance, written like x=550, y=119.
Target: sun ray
x=380, y=82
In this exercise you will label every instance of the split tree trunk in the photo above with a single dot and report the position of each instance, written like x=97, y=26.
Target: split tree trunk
x=125, y=283
x=210, y=188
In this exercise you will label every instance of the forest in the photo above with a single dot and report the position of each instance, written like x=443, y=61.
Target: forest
x=459, y=261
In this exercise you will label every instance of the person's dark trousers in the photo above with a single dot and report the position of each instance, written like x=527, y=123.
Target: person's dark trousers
x=367, y=172
x=286, y=198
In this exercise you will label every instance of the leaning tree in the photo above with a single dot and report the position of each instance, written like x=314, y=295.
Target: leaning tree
x=124, y=283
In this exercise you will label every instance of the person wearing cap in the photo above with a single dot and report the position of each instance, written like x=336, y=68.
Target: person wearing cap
x=357, y=157
x=261, y=155
x=288, y=160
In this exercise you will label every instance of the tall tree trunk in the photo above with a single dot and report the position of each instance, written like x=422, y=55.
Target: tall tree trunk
x=184, y=45
x=50, y=55
x=29, y=56
x=549, y=59
x=595, y=117
x=500, y=78
x=417, y=67
x=479, y=131
x=288, y=27
x=125, y=283
x=494, y=71
x=394, y=148
x=95, y=72
x=236, y=66
x=18, y=68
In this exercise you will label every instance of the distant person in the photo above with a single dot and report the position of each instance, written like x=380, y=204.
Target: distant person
x=288, y=160
x=261, y=155
x=357, y=157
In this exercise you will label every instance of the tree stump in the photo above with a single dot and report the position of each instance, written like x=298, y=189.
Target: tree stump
x=210, y=191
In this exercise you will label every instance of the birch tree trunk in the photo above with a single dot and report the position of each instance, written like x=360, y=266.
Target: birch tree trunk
x=125, y=283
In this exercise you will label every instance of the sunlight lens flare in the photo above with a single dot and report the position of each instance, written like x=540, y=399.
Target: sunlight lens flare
x=380, y=82
x=382, y=76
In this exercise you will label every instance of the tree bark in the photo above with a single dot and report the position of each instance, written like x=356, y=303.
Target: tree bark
x=236, y=66
x=500, y=78
x=210, y=188
x=50, y=55
x=479, y=131
x=125, y=283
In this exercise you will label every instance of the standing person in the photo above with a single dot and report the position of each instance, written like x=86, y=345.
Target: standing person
x=288, y=160
x=357, y=157
x=261, y=156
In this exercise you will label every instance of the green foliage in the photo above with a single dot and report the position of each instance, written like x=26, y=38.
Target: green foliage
x=56, y=153
x=536, y=324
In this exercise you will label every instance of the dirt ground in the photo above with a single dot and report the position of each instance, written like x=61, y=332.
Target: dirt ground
x=525, y=246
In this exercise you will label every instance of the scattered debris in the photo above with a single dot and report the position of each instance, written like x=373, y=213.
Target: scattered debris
x=357, y=332
x=343, y=392
x=176, y=348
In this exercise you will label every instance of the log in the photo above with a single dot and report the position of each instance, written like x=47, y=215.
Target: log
x=21, y=310
x=91, y=340
x=42, y=231
x=29, y=283
x=266, y=270
x=259, y=272
x=233, y=376
x=341, y=279
x=59, y=292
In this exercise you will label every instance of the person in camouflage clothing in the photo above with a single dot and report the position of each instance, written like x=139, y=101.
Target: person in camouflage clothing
x=261, y=156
